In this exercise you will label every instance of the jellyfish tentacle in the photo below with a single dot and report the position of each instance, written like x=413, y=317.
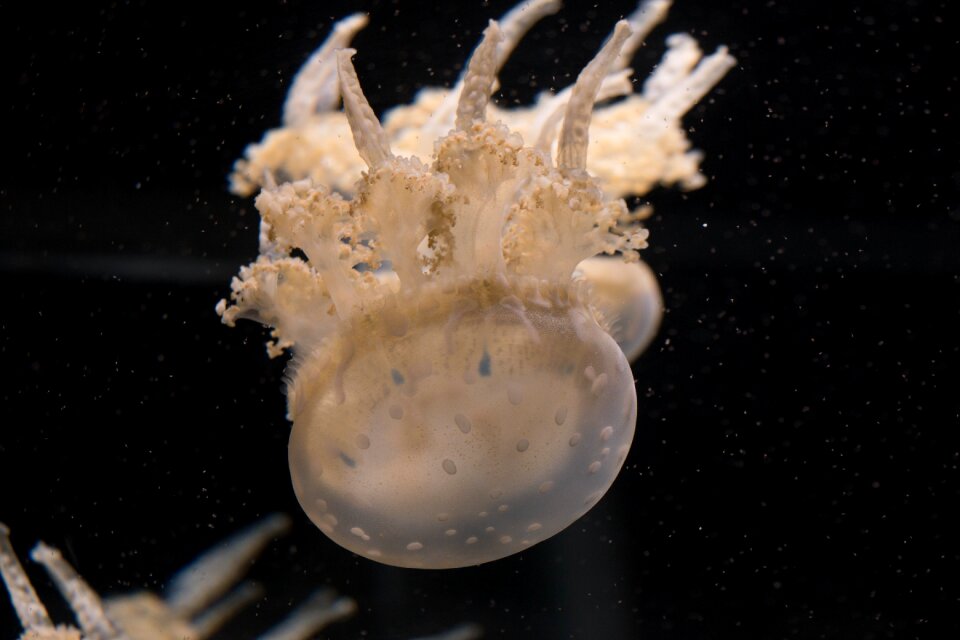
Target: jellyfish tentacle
x=30, y=610
x=572, y=150
x=681, y=97
x=321, y=609
x=368, y=135
x=209, y=576
x=478, y=83
x=315, y=88
x=513, y=25
x=614, y=85
x=83, y=600
x=683, y=54
x=467, y=631
x=210, y=621
x=642, y=21
x=517, y=22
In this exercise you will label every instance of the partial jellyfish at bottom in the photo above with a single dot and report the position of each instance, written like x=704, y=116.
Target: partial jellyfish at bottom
x=199, y=600
x=460, y=389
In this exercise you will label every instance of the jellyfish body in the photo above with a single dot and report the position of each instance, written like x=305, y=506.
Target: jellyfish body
x=468, y=433
x=456, y=394
x=627, y=295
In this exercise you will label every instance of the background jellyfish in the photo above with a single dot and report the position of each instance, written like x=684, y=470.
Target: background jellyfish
x=474, y=403
x=196, y=602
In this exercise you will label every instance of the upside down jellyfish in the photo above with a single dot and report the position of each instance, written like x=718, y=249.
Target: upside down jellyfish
x=452, y=304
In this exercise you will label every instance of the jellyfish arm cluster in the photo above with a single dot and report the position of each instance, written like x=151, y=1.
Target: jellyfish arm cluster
x=462, y=290
x=197, y=602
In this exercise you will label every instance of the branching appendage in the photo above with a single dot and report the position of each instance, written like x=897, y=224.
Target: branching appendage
x=193, y=608
x=488, y=207
x=637, y=144
x=197, y=602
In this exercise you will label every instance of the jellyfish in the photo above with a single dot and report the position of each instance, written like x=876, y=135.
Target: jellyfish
x=457, y=390
x=197, y=602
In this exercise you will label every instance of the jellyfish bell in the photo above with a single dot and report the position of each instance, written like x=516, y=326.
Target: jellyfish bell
x=477, y=425
x=628, y=297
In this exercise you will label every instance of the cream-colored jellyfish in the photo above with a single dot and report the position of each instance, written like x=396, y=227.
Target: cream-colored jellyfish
x=193, y=606
x=456, y=394
x=196, y=603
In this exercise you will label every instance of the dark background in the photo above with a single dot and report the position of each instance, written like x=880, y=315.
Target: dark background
x=795, y=472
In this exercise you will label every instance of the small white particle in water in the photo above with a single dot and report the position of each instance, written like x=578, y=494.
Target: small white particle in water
x=414, y=546
x=490, y=529
x=505, y=539
x=495, y=493
x=594, y=466
x=536, y=526
x=472, y=540
x=503, y=507
x=451, y=532
x=443, y=517
x=574, y=439
x=606, y=433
